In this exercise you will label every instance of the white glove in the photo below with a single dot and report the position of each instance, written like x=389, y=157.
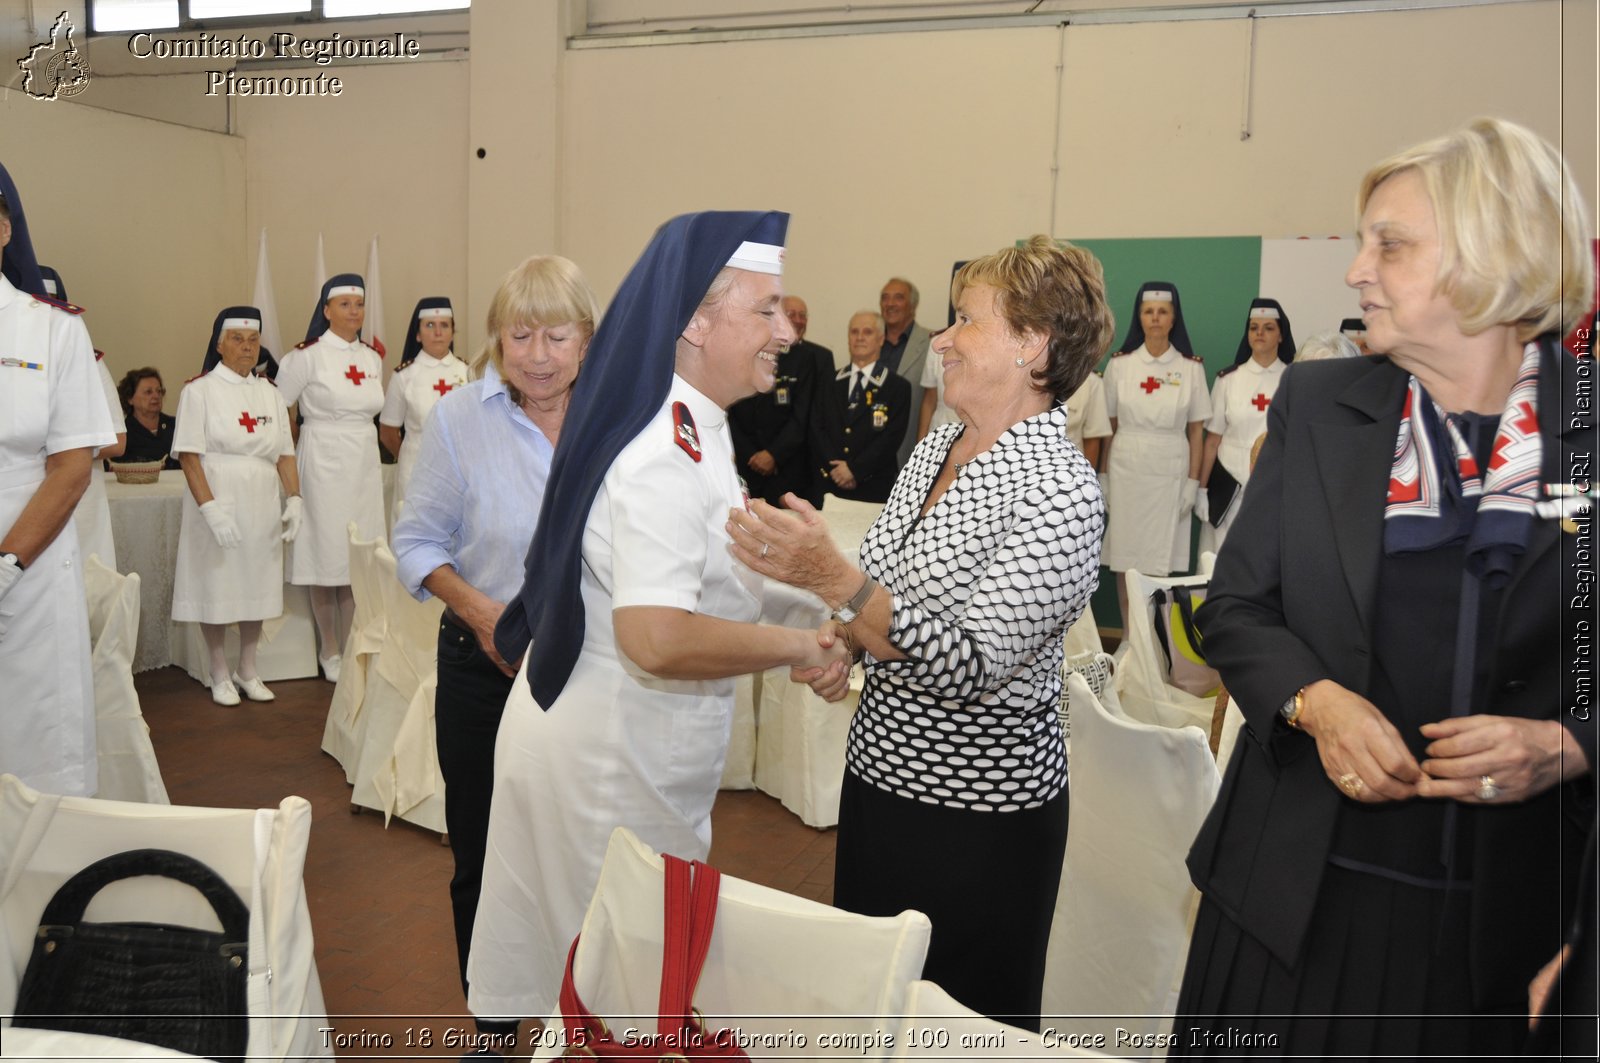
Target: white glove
x=1191, y=490
x=9, y=574
x=223, y=527
x=291, y=517
x=1202, y=504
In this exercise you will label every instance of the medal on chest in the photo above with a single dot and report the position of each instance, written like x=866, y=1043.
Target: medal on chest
x=880, y=416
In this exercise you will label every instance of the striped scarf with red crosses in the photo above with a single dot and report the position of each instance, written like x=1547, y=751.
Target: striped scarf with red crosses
x=1438, y=495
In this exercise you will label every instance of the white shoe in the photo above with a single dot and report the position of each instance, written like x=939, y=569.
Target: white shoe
x=253, y=688
x=223, y=692
x=330, y=667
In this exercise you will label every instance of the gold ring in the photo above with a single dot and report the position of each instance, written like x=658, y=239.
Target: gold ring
x=1351, y=783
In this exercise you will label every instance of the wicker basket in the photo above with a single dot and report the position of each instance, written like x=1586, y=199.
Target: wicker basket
x=137, y=472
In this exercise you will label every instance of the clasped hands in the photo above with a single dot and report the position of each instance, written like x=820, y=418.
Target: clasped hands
x=793, y=546
x=1366, y=757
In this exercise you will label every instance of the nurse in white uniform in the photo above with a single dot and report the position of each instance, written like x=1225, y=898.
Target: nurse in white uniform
x=1239, y=400
x=335, y=382
x=52, y=417
x=236, y=449
x=92, y=517
x=1088, y=423
x=638, y=615
x=1157, y=400
x=428, y=371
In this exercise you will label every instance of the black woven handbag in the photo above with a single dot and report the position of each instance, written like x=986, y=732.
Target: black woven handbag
x=172, y=986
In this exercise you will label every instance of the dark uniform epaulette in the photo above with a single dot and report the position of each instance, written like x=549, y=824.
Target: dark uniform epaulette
x=191, y=380
x=403, y=366
x=303, y=344
x=1224, y=372
x=683, y=431
x=1194, y=358
x=71, y=308
x=376, y=348
x=1119, y=354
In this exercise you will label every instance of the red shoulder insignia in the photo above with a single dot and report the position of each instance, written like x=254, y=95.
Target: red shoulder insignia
x=303, y=344
x=192, y=379
x=71, y=308
x=1224, y=372
x=683, y=430
x=99, y=355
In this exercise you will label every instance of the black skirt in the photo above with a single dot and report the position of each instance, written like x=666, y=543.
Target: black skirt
x=987, y=880
x=1383, y=974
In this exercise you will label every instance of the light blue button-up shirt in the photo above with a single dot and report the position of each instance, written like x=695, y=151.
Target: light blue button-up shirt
x=476, y=491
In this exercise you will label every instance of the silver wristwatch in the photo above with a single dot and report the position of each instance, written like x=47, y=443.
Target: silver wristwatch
x=847, y=612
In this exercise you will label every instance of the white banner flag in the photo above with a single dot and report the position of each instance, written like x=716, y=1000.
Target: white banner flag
x=271, y=338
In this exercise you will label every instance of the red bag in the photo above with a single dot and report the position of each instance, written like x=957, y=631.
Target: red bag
x=691, y=912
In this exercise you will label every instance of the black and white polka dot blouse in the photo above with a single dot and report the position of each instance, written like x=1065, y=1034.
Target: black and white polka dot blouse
x=984, y=587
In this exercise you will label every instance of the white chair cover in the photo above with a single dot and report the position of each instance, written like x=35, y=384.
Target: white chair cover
x=800, y=746
x=1084, y=635
x=938, y=1026
x=1098, y=670
x=800, y=738
x=341, y=737
x=1141, y=668
x=128, y=768
x=1125, y=906
x=781, y=967
x=45, y=839
x=739, y=769
x=397, y=764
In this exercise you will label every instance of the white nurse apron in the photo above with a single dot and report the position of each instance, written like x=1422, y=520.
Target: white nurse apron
x=339, y=389
x=47, y=723
x=1239, y=409
x=239, y=427
x=413, y=391
x=618, y=747
x=1146, y=526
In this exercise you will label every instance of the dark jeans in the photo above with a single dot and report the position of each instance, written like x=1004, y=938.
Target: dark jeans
x=466, y=715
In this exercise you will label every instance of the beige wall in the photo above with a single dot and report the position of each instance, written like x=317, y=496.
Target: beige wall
x=388, y=157
x=143, y=219
x=896, y=153
x=902, y=153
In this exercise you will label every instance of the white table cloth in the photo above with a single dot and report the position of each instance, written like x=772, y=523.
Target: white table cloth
x=145, y=519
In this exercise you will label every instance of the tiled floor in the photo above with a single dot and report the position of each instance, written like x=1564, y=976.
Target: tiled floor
x=379, y=906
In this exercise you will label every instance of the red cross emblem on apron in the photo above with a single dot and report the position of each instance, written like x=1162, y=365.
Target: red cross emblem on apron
x=355, y=376
x=248, y=422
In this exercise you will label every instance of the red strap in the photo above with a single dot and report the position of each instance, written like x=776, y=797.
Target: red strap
x=689, y=918
x=673, y=1005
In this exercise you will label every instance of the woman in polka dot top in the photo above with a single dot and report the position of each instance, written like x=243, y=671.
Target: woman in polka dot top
x=954, y=799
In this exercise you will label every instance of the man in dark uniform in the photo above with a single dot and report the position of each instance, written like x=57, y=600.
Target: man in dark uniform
x=861, y=419
x=770, y=431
